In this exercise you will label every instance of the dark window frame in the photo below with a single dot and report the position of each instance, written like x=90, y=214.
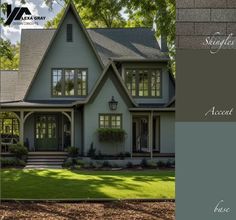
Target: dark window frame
x=63, y=93
x=137, y=79
x=109, y=120
x=69, y=33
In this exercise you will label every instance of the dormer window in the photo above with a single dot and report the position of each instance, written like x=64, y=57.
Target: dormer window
x=143, y=82
x=69, y=33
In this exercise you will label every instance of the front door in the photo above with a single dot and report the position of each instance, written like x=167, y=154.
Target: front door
x=46, y=130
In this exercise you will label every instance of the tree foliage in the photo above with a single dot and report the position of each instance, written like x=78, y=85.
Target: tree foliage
x=9, y=54
x=161, y=13
x=95, y=13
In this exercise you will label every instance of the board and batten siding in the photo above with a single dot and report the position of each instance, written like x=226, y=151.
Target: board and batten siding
x=91, y=114
x=167, y=132
x=63, y=54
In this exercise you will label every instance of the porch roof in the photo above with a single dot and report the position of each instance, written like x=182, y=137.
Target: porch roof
x=39, y=103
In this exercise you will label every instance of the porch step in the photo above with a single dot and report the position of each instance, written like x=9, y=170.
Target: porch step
x=46, y=157
x=45, y=163
x=45, y=160
x=43, y=167
x=50, y=153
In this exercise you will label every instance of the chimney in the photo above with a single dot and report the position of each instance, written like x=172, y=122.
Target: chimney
x=163, y=43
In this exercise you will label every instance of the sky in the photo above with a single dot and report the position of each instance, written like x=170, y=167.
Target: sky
x=37, y=8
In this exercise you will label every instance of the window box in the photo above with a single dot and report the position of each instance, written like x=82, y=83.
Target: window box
x=111, y=135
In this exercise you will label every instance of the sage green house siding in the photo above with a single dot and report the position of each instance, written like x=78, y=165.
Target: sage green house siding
x=63, y=54
x=167, y=132
x=79, y=128
x=91, y=114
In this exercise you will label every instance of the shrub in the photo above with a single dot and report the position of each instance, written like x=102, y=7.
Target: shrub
x=151, y=164
x=12, y=162
x=144, y=163
x=106, y=164
x=72, y=151
x=68, y=163
x=168, y=164
x=18, y=150
x=92, y=151
x=129, y=165
x=127, y=154
x=111, y=135
x=160, y=164
x=80, y=163
x=77, y=167
x=121, y=155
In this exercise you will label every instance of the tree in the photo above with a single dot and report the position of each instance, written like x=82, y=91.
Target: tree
x=9, y=55
x=95, y=13
x=159, y=12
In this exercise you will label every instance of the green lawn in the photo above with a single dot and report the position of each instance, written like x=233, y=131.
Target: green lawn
x=66, y=184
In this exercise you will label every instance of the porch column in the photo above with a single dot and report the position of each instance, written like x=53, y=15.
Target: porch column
x=22, y=127
x=150, y=132
x=72, y=128
x=131, y=133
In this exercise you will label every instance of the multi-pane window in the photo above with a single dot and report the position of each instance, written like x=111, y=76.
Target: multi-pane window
x=110, y=121
x=69, y=82
x=82, y=82
x=57, y=82
x=143, y=82
x=130, y=80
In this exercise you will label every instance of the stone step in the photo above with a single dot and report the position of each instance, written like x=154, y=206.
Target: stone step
x=45, y=163
x=43, y=167
x=46, y=159
x=48, y=153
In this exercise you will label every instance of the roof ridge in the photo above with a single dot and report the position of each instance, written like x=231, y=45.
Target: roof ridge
x=119, y=28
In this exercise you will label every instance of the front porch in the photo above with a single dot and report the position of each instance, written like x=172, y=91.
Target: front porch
x=38, y=129
x=152, y=134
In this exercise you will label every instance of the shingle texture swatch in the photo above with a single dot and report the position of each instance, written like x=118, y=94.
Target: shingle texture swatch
x=197, y=19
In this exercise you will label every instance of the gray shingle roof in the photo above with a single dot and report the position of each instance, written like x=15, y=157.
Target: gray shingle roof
x=110, y=43
x=8, y=81
x=126, y=43
x=33, y=46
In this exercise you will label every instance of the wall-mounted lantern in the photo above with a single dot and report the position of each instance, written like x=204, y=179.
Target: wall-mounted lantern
x=113, y=104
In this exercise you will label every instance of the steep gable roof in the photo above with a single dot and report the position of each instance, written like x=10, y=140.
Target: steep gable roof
x=102, y=79
x=126, y=43
x=8, y=81
x=29, y=68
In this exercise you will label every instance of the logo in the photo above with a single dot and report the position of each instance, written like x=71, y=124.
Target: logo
x=22, y=15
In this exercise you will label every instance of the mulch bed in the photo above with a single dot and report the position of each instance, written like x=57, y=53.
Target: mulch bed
x=122, y=210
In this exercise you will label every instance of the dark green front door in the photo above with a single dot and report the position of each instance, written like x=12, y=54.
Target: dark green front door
x=46, y=133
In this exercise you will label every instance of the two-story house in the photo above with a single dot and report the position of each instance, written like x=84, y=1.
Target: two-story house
x=72, y=81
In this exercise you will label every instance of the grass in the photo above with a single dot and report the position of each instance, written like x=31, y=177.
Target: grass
x=67, y=184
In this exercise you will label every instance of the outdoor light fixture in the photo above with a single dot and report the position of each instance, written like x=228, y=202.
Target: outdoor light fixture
x=113, y=104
